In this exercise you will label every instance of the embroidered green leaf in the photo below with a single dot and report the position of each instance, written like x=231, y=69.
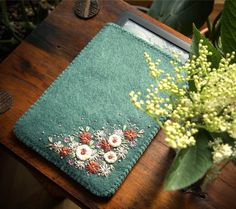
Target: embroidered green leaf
x=228, y=27
x=50, y=139
x=189, y=165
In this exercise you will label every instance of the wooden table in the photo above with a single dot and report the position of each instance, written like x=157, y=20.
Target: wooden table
x=34, y=65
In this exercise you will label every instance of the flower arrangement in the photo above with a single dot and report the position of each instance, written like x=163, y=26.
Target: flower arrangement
x=196, y=110
x=96, y=151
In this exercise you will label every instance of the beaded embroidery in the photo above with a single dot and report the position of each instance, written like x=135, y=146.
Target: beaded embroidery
x=96, y=151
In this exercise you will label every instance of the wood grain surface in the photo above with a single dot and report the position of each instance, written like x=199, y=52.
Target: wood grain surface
x=35, y=64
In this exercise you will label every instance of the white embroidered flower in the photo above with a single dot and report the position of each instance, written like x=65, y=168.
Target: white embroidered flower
x=114, y=140
x=83, y=152
x=106, y=169
x=73, y=144
x=110, y=157
x=56, y=146
x=122, y=152
x=119, y=132
x=100, y=134
x=79, y=164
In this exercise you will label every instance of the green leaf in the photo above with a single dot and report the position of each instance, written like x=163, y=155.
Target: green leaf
x=226, y=138
x=216, y=56
x=228, y=27
x=190, y=164
x=214, y=36
x=180, y=15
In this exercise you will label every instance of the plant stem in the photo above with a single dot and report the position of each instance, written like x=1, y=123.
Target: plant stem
x=27, y=24
x=8, y=41
x=212, y=173
x=5, y=18
x=209, y=26
x=6, y=21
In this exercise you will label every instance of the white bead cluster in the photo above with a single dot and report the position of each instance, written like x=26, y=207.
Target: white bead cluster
x=221, y=151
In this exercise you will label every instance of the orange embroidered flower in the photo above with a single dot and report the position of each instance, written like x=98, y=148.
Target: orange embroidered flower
x=92, y=167
x=105, y=145
x=64, y=151
x=85, y=137
x=130, y=134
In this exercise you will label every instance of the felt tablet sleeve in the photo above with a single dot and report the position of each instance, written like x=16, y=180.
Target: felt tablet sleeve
x=84, y=123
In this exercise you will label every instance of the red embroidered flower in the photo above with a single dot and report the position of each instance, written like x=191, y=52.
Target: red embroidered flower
x=130, y=134
x=64, y=151
x=92, y=167
x=85, y=137
x=105, y=145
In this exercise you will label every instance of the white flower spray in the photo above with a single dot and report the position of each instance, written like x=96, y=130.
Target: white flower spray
x=211, y=105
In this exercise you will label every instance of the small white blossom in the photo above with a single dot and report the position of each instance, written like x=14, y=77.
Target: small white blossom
x=221, y=151
x=115, y=140
x=105, y=169
x=83, y=152
x=119, y=132
x=110, y=157
x=73, y=145
x=100, y=134
x=79, y=164
x=211, y=105
x=122, y=152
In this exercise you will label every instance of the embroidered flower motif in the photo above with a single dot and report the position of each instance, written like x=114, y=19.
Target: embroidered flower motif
x=105, y=169
x=110, y=157
x=114, y=140
x=96, y=151
x=66, y=139
x=100, y=134
x=105, y=145
x=70, y=162
x=122, y=152
x=56, y=146
x=85, y=137
x=79, y=164
x=64, y=151
x=130, y=134
x=119, y=132
x=92, y=167
x=73, y=145
x=83, y=152
x=133, y=144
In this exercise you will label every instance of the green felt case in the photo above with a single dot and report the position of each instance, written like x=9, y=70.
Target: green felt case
x=84, y=123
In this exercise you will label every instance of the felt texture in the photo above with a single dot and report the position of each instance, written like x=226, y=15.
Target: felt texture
x=93, y=91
